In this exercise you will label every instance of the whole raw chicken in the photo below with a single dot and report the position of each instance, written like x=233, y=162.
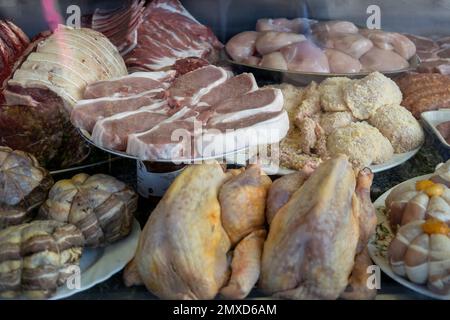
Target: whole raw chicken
x=316, y=246
x=205, y=236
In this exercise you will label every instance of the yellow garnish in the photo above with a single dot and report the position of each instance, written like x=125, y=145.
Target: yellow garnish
x=435, y=190
x=435, y=226
x=423, y=184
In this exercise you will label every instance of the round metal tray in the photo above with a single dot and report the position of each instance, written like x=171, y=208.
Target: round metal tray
x=304, y=78
x=225, y=156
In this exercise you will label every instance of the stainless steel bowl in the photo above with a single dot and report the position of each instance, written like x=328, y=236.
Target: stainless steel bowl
x=268, y=75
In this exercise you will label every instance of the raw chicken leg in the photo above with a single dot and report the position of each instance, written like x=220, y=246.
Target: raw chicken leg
x=246, y=266
x=243, y=201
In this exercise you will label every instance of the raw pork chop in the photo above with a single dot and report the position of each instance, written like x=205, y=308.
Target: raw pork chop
x=231, y=88
x=87, y=112
x=190, y=87
x=113, y=132
x=131, y=84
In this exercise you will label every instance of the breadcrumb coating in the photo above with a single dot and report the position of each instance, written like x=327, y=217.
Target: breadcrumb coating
x=398, y=125
x=332, y=94
x=366, y=95
x=362, y=143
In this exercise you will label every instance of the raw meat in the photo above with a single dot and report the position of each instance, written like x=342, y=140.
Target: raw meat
x=353, y=44
x=242, y=45
x=209, y=115
x=189, y=88
x=53, y=65
x=305, y=56
x=274, y=60
x=271, y=41
x=382, y=60
x=87, y=112
x=13, y=43
x=247, y=105
x=113, y=132
x=168, y=33
x=342, y=63
x=231, y=88
x=335, y=27
x=119, y=25
x=298, y=25
x=129, y=85
x=391, y=41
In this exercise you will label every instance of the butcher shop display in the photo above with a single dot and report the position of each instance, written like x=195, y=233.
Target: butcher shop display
x=305, y=45
x=224, y=150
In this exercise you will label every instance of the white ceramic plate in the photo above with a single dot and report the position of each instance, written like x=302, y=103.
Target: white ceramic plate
x=98, y=265
x=379, y=243
x=433, y=118
x=396, y=160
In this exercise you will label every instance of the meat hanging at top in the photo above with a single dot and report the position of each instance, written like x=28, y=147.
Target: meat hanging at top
x=168, y=33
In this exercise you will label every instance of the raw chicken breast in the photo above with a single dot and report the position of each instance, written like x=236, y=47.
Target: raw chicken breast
x=242, y=45
x=342, y=63
x=305, y=56
x=271, y=41
x=274, y=60
x=382, y=60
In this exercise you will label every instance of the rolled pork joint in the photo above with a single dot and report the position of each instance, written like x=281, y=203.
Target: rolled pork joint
x=37, y=258
x=100, y=206
x=272, y=41
x=305, y=56
x=242, y=46
x=24, y=186
x=65, y=63
x=205, y=236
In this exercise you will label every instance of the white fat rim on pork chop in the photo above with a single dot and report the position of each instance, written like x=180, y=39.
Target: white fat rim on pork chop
x=262, y=133
x=275, y=106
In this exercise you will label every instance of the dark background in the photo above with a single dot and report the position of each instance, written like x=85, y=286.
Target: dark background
x=228, y=17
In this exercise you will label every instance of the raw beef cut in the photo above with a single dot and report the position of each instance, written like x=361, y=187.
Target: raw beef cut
x=168, y=33
x=201, y=113
x=13, y=43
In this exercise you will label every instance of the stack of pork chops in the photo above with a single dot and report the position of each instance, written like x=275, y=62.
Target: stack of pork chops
x=205, y=112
